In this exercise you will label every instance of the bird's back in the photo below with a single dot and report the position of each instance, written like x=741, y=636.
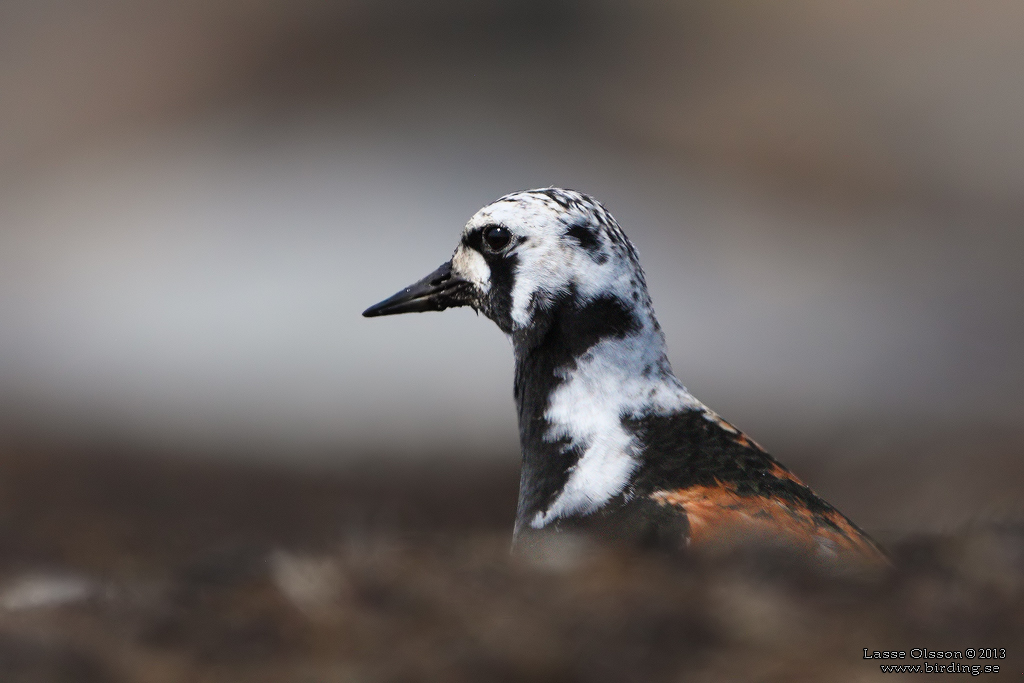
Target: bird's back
x=730, y=490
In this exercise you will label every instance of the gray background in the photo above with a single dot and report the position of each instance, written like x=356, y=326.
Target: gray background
x=197, y=200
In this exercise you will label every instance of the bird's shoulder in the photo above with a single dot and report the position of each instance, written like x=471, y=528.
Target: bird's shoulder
x=719, y=517
x=731, y=491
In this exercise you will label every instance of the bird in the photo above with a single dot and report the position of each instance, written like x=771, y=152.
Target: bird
x=613, y=443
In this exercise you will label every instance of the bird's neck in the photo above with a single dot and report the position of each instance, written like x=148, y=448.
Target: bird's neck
x=580, y=373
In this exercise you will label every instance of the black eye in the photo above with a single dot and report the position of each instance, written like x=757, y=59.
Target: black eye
x=496, y=237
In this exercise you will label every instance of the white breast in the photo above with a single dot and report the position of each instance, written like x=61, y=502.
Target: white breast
x=607, y=385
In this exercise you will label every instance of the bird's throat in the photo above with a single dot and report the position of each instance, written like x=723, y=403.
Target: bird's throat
x=597, y=365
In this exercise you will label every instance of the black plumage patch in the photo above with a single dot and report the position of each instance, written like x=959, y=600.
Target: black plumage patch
x=637, y=523
x=687, y=449
x=499, y=297
x=563, y=329
x=560, y=197
x=474, y=239
x=497, y=304
x=588, y=239
x=560, y=334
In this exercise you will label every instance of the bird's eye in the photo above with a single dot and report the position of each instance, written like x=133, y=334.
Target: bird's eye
x=497, y=238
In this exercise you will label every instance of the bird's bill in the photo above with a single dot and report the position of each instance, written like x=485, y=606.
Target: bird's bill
x=440, y=290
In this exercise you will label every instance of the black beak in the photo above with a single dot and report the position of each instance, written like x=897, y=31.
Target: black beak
x=436, y=292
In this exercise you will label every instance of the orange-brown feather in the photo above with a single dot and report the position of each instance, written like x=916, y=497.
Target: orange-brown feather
x=719, y=515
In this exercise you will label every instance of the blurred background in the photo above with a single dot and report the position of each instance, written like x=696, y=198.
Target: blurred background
x=198, y=199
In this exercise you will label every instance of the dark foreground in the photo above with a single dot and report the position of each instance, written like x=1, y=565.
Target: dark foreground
x=127, y=569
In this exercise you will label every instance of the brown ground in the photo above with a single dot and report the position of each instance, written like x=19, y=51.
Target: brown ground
x=188, y=571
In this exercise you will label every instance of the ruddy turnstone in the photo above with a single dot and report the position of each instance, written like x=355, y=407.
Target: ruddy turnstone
x=612, y=441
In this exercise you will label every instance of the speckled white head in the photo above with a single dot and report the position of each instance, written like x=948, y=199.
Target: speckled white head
x=555, y=248
x=553, y=269
x=562, y=241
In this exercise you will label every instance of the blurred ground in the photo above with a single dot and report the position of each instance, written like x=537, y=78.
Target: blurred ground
x=121, y=568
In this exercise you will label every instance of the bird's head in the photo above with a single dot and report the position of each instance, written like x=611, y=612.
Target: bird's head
x=526, y=255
